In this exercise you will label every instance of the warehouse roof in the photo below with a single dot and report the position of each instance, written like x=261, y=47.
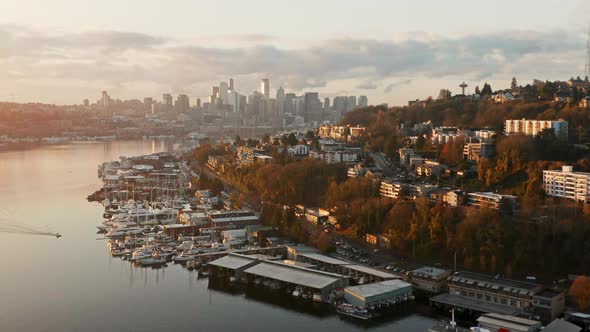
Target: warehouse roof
x=377, y=288
x=294, y=274
x=233, y=261
x=560, y=325
x=368, y=270
x=324, y=259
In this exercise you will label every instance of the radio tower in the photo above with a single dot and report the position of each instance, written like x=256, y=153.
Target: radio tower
x=587, y=68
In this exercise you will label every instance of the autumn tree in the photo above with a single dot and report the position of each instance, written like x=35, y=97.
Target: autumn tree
x=580, y=291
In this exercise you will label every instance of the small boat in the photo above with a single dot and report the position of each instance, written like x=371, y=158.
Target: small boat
x=317, y=297
x=352, y=311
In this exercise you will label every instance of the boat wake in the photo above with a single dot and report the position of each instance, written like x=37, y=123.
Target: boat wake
x=24, y=230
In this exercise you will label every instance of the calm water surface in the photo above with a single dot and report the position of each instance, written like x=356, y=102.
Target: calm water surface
x=72, y=284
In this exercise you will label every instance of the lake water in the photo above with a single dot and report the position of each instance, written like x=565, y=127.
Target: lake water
x=72, y=283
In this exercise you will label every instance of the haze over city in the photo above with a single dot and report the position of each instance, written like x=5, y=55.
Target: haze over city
x=391, y=51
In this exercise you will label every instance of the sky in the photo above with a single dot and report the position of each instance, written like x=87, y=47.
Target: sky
x=392, y=51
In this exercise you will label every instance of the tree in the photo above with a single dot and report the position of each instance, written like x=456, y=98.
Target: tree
x=514, y=85
x=477, y=90
x=487, y=90
x=580, y=291
x=292, y=139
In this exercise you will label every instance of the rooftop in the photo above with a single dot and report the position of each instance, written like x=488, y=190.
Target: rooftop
x=323, y=258
x=510, y=322
x=429, y=272
x=233, y=261
x=494, y=283
x=473, y=304
x=374, y=272
x=294, y=274
x=377, y=288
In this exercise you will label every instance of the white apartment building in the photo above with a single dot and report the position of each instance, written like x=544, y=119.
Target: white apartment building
x=391, y=189
x=534, y=127
x=298, y=150
x=566, y=183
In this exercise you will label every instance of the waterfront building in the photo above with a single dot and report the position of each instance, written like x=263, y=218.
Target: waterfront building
x=497, y=322
x=566, y=183
x=369, y=294
x=535, y=127
x=489, y=294
x=429, y=279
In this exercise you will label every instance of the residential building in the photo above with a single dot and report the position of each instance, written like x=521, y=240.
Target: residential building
x=390, y=189
x=371, y=239
x=265, y=88
x=566, y=183
x=430, y=168
x=363, y=101
x=356, y=171
x=535, y=127
x=492, y=201
x=477, y=151
x=421, y=190
x=454, y=198
x=298, y=150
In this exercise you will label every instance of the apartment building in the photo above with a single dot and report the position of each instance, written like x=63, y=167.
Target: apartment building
x=392, y=189
x=535, y=127
x=476, y=151
x=492, y=201
x=566, y=183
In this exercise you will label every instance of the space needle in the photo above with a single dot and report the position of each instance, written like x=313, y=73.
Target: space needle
x=463, y=86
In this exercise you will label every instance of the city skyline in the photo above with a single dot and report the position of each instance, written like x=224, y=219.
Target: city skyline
x=391, y=52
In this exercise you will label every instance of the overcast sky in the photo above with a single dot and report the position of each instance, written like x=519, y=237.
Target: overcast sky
x=62, y=51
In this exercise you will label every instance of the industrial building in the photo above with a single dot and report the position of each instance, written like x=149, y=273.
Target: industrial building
x=372, y=294
x=429, y=279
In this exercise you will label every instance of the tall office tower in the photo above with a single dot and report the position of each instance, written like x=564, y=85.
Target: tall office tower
x=350, y=103
x=223, y=93
x=86, y=102
x=198, y=103
x=167, y=100
x=215, y=92
x=147, y=103
x=290, y=103
x=242, y=101
x=339, y=105
x=231, y=84
x=234, y=101
x=265, y=88
x=280, y=105
x=363, y=101
x=182, y=103
x=313, y=107
x=105, y=99
x=326, y=105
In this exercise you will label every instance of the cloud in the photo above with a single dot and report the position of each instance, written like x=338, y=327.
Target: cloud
x=390, y=86
x=367, y=86
x=115, y=58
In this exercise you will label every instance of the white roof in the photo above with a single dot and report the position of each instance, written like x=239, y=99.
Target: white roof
x=233, y=261
x=373, y=272
x=510, y=322
x=560, y=325
x=324, y=259
x=294, y=274
x=377, y=288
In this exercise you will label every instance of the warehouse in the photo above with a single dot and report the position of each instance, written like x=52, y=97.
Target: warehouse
x=232, y=265
x=379, y=292
x=287, y=276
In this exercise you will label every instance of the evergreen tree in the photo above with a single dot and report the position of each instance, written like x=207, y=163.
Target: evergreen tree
x=477, y=91
x=487, y=90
